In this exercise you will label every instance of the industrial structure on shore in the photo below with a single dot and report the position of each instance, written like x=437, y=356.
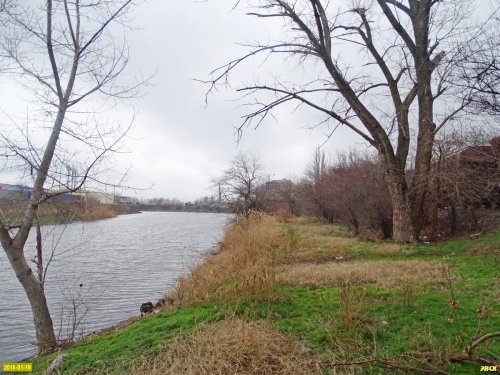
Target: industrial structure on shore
x=22, y=192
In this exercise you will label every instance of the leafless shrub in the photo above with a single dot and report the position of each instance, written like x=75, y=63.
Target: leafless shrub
x=352, y=190
x=74, y=310
x=352, y=305
x=465, y=176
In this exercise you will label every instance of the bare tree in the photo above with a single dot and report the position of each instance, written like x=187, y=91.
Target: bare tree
x=386, y=93
x=479, y=68
x=352, y=189
x=315, y=184
x=63, y=53
x=360, y=194
x=239, y=184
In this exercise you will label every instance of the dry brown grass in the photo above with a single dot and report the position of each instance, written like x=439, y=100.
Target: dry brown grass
x=384, y=249
x=246, y=262
x=314, y=248
x=308, y=229
x=233, y=346
x=385, y=273
x=97, y=211
x=352, y=305
x=284, y=216
x=243, y=265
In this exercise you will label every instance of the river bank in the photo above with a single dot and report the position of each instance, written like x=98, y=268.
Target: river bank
x=105, y=269
x=303, y=297
x=52, y=213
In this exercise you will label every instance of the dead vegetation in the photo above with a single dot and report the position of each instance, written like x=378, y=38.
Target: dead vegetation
x=243, y=265
x=385, y=273
x=255, y=255
x=326, y=242
x=232, y=346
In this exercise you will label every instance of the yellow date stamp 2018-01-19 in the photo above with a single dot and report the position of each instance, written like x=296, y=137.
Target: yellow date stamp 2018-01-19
x=17, y=367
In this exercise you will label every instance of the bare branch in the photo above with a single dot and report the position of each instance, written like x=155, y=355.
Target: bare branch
x=397, y=26
x=295, y=95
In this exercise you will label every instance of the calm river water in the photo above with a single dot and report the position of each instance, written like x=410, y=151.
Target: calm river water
x=119, y=263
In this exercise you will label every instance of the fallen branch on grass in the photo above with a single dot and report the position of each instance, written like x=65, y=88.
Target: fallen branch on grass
x=468, y=354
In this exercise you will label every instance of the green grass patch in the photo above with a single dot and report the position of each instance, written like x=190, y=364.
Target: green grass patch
x=388, y=323
x=117, y=352
x=486, y=243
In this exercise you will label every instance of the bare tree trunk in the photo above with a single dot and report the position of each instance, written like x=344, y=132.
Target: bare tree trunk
x=39, y=253
x=452, y=214
x=420, y=184
x=425, y=140
x=401, y=208
x=45, y=336
x=402, y=221
x=75, y=45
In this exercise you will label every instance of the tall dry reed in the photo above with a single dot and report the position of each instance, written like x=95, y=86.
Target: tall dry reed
x=242, y=266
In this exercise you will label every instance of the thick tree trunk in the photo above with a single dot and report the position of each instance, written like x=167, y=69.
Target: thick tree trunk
x=402, y=223
x=420, y=184
x=424, y=67
x=44, y=328
x=402, y=220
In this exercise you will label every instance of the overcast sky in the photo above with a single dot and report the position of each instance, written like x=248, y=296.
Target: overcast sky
x=178, y=143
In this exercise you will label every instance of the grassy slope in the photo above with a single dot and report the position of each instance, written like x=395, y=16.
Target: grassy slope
x=413, y=321
x=118, y=351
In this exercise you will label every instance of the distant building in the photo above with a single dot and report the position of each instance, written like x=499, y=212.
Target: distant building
x=69, y=197
x=15, y=192
x=481, y=168
x=21, y=192
x=279, y=195
x=486, y=158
